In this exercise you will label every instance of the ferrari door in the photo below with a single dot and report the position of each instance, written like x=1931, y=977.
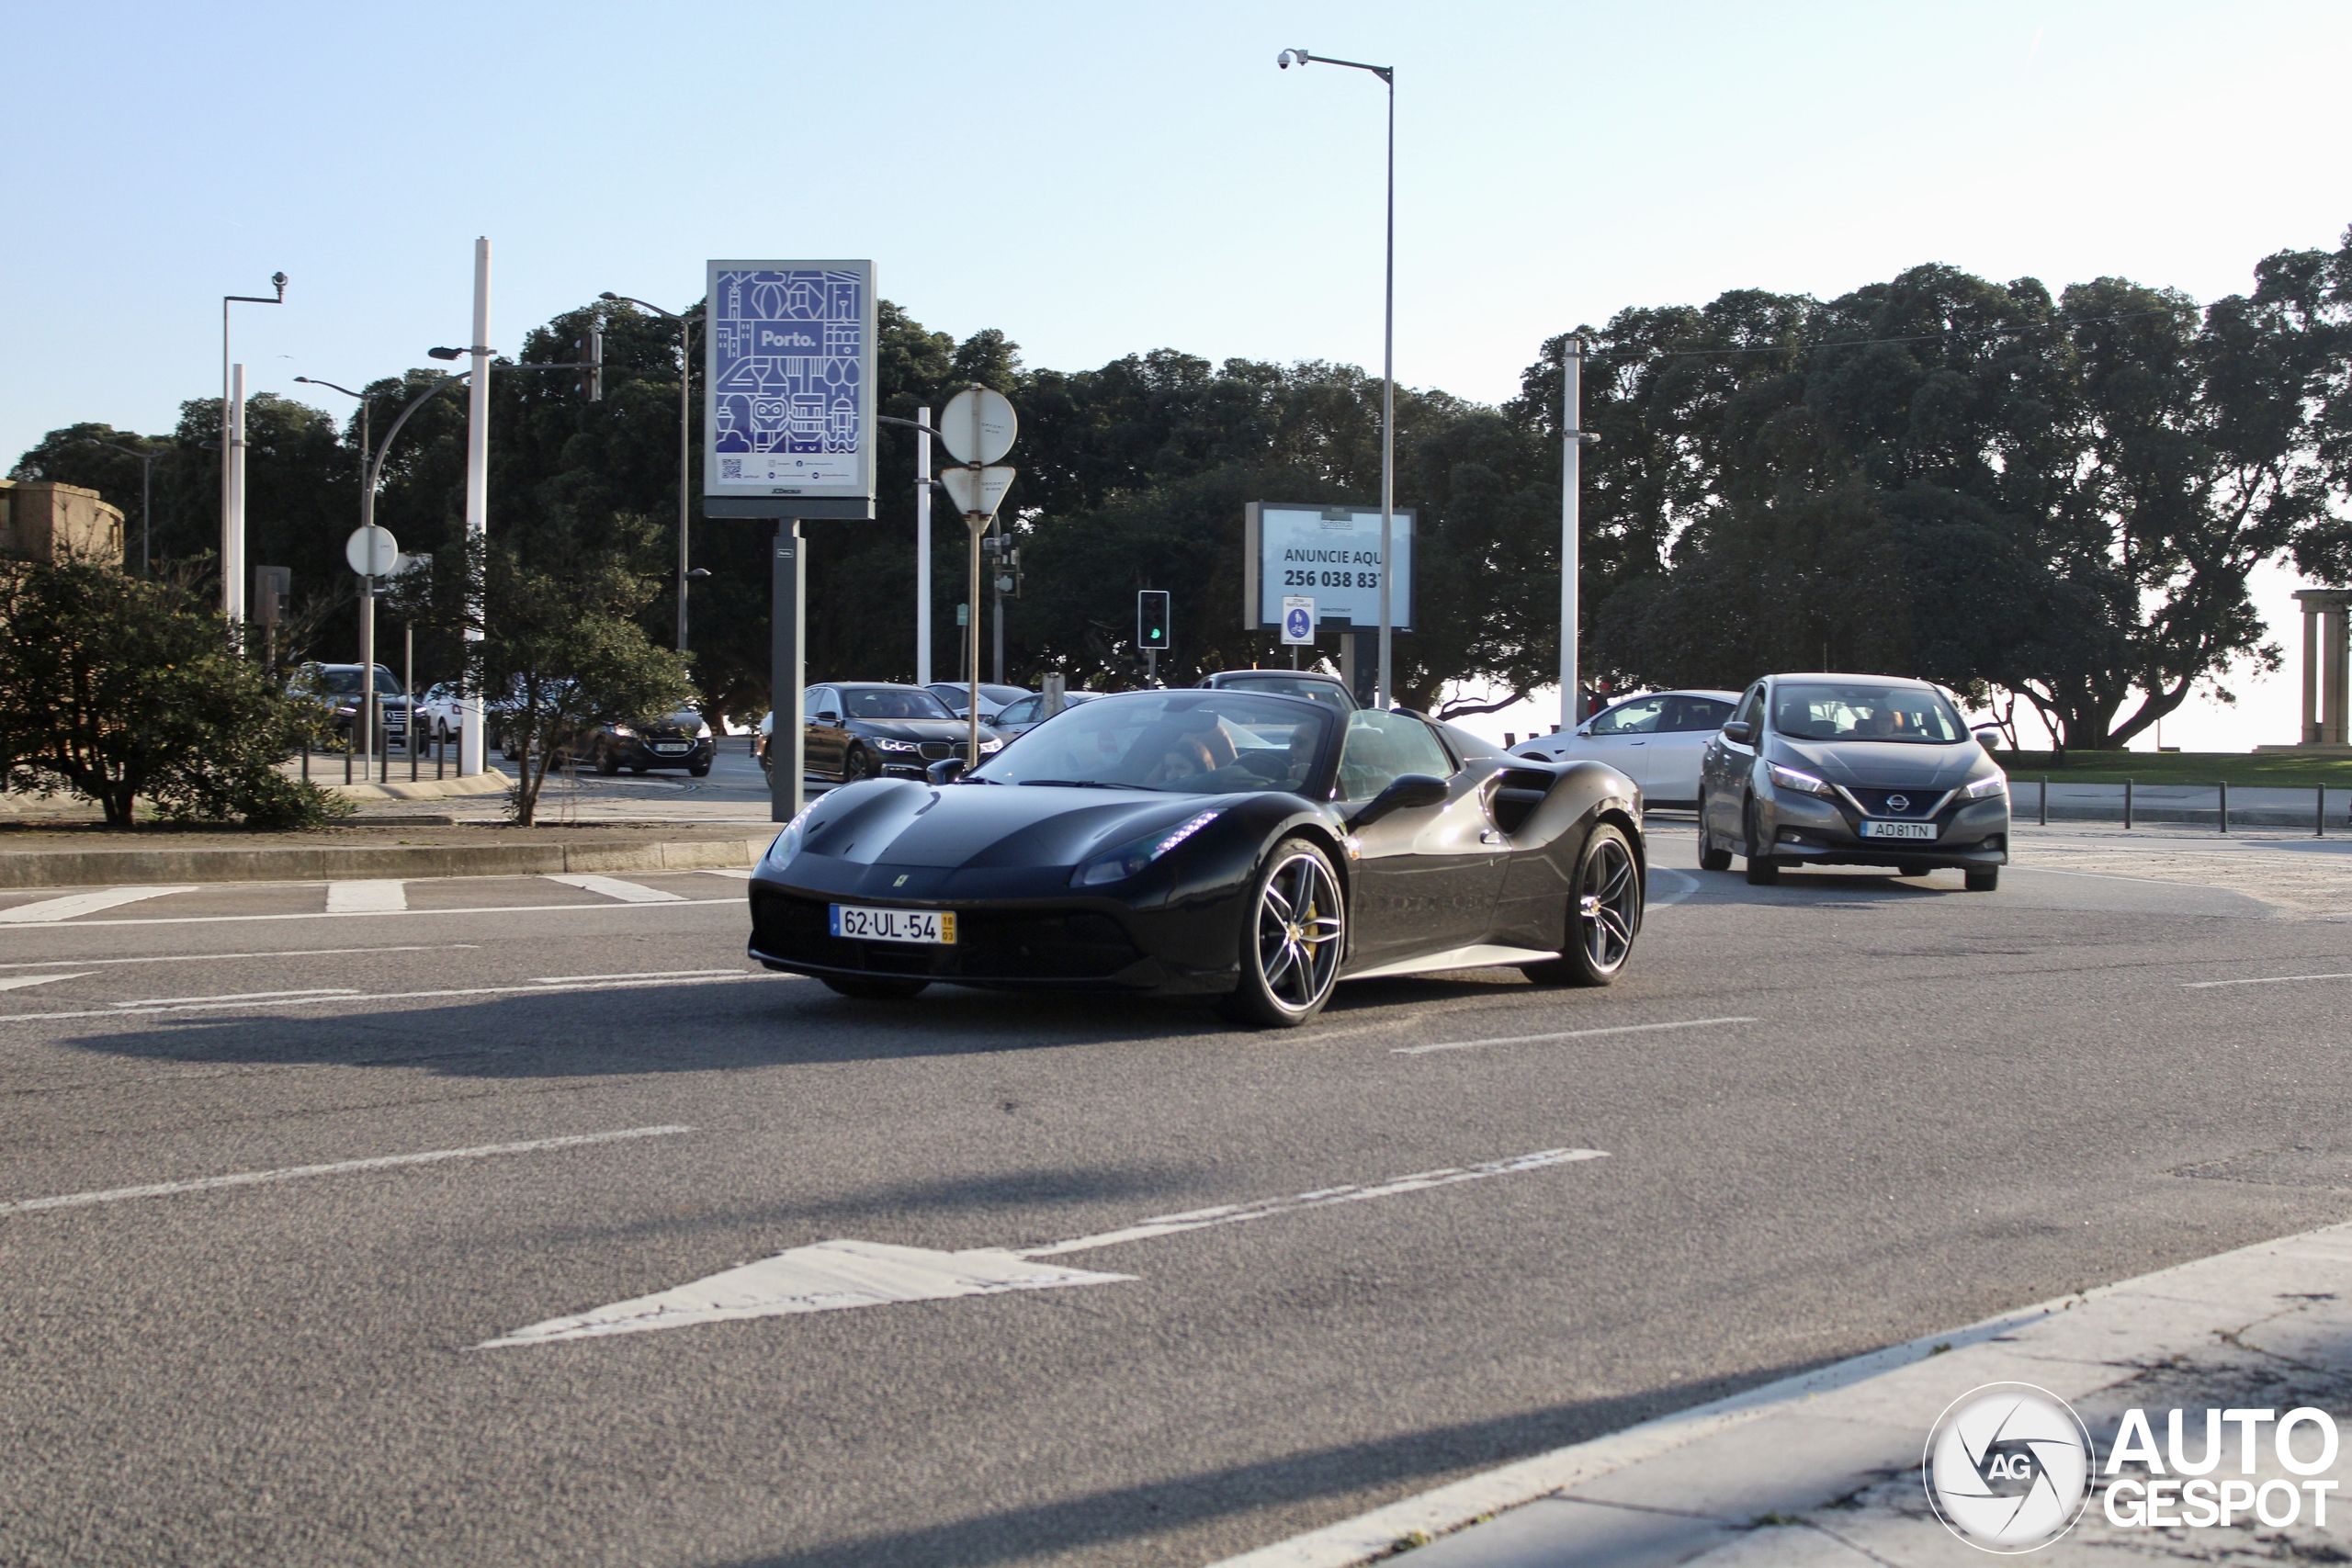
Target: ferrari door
x=1425, y=878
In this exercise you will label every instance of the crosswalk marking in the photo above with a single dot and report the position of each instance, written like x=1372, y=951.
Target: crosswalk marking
x=18, y=982
x=74, y=904
x=614, y=888
x=385, y=897
x=738, y=875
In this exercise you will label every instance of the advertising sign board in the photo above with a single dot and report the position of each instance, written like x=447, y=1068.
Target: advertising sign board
x=1330, y=553
x=789, y=377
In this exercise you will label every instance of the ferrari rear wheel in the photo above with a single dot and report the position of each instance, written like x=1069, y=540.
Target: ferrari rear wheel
x=877, y=990
x=1604, y=918
x=1292, y=940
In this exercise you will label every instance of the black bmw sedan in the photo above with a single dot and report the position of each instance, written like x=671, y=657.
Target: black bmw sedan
x=1852, y=770
x=1254, y=848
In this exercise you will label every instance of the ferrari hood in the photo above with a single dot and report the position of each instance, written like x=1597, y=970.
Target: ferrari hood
x=898, y=822
x=1882, y=764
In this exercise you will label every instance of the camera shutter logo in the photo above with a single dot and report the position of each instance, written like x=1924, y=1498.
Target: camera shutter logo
x=2007, y=1467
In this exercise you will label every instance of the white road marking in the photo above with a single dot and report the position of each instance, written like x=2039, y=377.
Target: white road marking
x=649, y=975
x=2265, y=980
x=387, y=897
x=1689, y=880
x=219, y=957
x=738, y=875
x=340, y=1168
x=828, y=1277
x=73, y=903
x=734, y=903
x=18, y=982
x=614, y=888
x=1264, y=1208
x=305, y=999
x=1564, y=1034
x=217, y=999
x=831, y=1276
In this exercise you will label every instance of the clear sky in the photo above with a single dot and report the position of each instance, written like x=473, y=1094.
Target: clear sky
x=1100, y=178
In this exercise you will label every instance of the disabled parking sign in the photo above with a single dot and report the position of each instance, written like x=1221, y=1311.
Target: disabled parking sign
x=1298, y=622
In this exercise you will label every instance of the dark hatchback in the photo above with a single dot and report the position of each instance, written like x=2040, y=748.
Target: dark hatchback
x=681, y=740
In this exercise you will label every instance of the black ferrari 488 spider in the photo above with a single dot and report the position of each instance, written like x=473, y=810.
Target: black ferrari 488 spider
x=1256, y=847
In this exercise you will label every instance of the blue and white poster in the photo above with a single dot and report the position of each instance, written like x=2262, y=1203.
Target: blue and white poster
x=789, y=375
x=1330, y=555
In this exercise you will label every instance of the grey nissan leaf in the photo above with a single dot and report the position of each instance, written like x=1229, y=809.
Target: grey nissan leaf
x=1852, y=770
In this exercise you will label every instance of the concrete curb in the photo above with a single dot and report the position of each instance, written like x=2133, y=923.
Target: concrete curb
x=118, y=868
x=1678, y=1487
x=490, y=782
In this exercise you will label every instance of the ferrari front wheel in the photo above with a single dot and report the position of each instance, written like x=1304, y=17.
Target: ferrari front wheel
x=1293, y=936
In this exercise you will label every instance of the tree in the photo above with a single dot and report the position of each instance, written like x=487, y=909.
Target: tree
x=117, y=688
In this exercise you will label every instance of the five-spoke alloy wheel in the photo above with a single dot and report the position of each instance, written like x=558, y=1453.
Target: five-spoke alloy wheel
x=1293, y=939
x=1605, y=917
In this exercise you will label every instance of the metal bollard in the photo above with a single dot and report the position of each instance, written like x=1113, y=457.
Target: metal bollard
x=415, y=762
x=441, y=759
x=347, y=750
x=2319, y=816
x=2045, y=801
x=2127, y=806
x=2225, y=805
x=305, y=756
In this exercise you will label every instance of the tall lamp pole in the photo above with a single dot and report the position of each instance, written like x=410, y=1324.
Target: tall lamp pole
x=1382, y=680
x=146, y=493
x=232, y=463
x=685, y=441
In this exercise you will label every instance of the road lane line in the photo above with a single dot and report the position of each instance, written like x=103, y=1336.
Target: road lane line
x=340, y=1168
x=18, y=982
x=831, y=1276
x=141, y=1009
x=311, y=992
x=1564, y=1034
x=1264, y=1208
x=734, y=903
x=1689, y=881
x=72, y=904
x=386, y=897
x=615, y=888
x=738, y=875
x=221, y=957
x=647, y=974
x=2264, y=980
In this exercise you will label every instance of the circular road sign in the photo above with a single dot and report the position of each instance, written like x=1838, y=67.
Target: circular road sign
x=978, y=426
x=372, y=551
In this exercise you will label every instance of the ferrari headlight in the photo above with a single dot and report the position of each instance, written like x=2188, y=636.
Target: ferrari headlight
x=1803, y=784
x=1129, y=858
x=882, y=743
x=1988, y=789
x=787, y=843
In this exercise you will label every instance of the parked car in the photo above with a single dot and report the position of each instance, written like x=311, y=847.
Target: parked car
x=681, y=740
x=339, y=688
x=1658, y=738
x=440, y=713
x=861, y=729
x=1852, y=770
x=1329, y=690
x=953, y=695
x=1191, y=843
x=1019, y=718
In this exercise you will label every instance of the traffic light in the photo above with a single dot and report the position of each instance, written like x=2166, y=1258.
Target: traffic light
x=592, y=364
x=1151, y=619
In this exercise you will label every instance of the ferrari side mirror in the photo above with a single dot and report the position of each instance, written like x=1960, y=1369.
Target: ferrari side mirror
x=1409, y=790
x=944, y=771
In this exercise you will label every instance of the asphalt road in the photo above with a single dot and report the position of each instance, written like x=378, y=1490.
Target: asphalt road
x=1912, y=1107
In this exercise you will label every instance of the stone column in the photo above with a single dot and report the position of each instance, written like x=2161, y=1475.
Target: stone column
x=2310, y=735
x=2332, y=729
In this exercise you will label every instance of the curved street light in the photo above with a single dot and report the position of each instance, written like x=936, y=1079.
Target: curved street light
x=685, y=439
x=1388, y=74
x=146, y=493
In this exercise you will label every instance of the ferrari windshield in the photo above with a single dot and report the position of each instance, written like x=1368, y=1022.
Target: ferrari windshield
x=1186, y=742
x=1862, y=711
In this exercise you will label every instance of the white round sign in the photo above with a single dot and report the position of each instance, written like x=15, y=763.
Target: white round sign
x=372, y=551
x=978, y=426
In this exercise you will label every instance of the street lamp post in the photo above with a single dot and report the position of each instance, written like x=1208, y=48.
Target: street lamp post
x=232, y=463
x=685, y=442
x=146, y=493
x=367, y=595
x=1383, y=682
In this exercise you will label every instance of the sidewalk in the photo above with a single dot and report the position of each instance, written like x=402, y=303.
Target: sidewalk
x=1823, y=1471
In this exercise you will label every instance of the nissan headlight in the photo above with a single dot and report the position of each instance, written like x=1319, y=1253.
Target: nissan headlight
x=1803, y=784
x=1988, y=789
x=1128, y=859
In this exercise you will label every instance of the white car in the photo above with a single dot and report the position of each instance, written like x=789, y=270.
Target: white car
x=1656, y=739
x=439, y=714
x=993, y=697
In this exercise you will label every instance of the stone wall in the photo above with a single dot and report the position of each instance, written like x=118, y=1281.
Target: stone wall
x=59, y=521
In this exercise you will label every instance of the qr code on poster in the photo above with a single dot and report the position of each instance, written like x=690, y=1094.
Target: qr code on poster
x=730, y=468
